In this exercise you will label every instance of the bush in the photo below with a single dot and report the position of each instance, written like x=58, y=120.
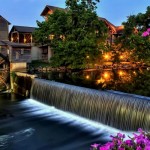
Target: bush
x=139, y=141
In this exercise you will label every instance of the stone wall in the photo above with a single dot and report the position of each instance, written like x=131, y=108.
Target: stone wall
x=21, y=83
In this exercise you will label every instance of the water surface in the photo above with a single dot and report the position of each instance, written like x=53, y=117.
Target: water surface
x=26, y=124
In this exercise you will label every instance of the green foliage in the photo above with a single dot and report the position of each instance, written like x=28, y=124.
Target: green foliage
x=78, y=33
x=133, y=41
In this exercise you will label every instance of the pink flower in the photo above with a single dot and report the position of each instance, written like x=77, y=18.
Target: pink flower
x=95, y=145
x=140, y=130
x=120, y=135
x=140, y=141
x=121, y=148
x=146, y=33
x=129, y=142
x=148, y=30
x=138, y=148
x=147, y=148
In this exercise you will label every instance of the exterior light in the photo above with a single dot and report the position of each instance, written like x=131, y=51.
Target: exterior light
x=120, y=73
x=62, y=37
x=87, y=77
x=12, y=39
x=25, y=40
x=121, y=57
x=87, y=56
x=51, y=36
x=106, y=75
x=106, y=56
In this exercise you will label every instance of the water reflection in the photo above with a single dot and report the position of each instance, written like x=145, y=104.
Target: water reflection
x=130, y=81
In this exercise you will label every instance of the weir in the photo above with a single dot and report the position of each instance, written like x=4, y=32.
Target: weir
x=121, y=111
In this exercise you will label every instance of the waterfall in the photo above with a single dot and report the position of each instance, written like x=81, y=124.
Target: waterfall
x=116, y=110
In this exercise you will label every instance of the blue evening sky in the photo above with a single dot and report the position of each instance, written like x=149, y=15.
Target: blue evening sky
x=26, y=12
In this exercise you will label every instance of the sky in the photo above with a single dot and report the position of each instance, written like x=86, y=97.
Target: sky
x=26, y=12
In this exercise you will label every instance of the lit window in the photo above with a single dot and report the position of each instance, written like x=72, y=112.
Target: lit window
x=51, y=36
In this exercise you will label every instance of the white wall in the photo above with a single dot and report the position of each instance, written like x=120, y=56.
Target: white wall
x=36, y=53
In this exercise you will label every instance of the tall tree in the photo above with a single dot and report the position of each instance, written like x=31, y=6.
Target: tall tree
x=132, y=40
x=74, y=35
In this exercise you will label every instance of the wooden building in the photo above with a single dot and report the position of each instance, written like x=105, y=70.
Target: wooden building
x=114, y=31
x=4, y=27
x=17, y=52
x=21, y=34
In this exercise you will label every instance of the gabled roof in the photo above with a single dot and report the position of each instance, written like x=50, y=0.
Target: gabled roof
x=111, y=26
x=114, y=29
x=5, y=20
x=48, y=7
x=23, y=29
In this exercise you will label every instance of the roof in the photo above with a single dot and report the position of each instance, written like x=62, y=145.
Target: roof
x=5, y=20
x=114, y=29
x=111, y=26
x=119, y=29
x=48, y=7
x=8, y=43
x=2, y=43
x=23, y=29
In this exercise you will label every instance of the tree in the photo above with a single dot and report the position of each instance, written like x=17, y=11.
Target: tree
x=74, y=35
x=132, y=39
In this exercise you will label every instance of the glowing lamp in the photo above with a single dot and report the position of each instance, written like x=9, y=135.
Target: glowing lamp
x=87, y=77
x=51, y=36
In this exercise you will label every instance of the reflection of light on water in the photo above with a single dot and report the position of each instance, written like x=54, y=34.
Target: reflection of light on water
x=101, y=80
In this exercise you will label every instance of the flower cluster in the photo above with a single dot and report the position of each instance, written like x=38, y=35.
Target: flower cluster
x=139, y=141
x=146, y=33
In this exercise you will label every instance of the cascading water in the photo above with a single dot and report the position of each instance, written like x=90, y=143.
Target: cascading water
x=116, y=110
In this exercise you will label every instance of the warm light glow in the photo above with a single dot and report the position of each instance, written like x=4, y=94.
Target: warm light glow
x=134, y=73
x=25, y=40
x=106, y=75
x=51, y=36
x=12, y=39
x=121, y=73
x=87, y=77
x=121, y=57
x=50, y=12
x=87, y=56
x=62, y=37
x=101, y=80
x=106, y=56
